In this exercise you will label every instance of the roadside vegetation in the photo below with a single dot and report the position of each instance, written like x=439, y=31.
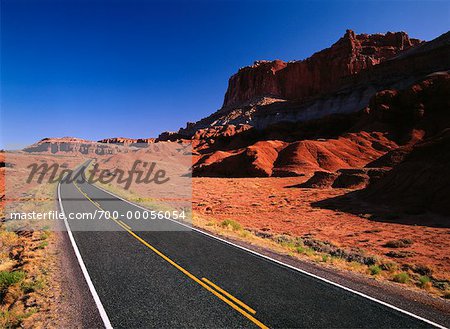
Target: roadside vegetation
x=25, y=265
x=24, y=276
x=310, y=249
x=28, y=256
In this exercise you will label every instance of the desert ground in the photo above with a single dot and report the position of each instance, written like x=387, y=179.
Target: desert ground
x=272, y=212
x=271, y=207
x=30, y=265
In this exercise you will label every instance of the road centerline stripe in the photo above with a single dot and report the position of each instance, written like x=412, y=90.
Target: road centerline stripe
x=180, y=268
x=288, y=266
x=193, y=277
x=230, y=296
x=125, y=224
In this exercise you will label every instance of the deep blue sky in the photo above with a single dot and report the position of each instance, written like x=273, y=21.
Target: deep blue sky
x=96, y=69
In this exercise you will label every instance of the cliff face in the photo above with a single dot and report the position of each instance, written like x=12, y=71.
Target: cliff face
x=374, y=137
x=118, y=140
x=320, y=73
x=73, y=146
x=420, y=175
x=337, y=80
x=65, y=145
x=127, y=141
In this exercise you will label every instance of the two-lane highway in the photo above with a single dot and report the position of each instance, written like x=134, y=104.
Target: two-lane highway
x=173, y=277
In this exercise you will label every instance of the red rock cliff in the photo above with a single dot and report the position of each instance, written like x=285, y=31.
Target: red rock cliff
x=127, y=141
x=320, y=73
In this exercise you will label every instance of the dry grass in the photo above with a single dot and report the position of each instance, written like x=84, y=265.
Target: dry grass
x=23, y=277
x=28, y=256
x=401, y=243
x=307, y=249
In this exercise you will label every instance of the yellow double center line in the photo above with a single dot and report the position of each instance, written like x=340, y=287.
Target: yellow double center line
x=208, y=285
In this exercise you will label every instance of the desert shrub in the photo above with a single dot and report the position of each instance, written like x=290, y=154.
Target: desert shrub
x=301, y=249
x=402, y=243
x=42, y=245
x=374, y=269
x=423, y=270
x=442, y=285
x=245, y=234
x=391, y=267
x=304, y=250
x=372, y=231
x=400, y=254
x=45, y=235
x=402, y=277
x=8, y=320
x=324, y=258
x=231, y=224
x=319, y=246
x=33, y=285
x=446, y=295
x=13, y=319
x=264, y=235
x=424, y=281
x=9, y=278
x=8, y=240
x=369, y=260
x=285, y=240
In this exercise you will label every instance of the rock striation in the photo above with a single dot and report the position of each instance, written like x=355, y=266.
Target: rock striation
x=372, y=112
x=128, y=141
x=378, y=136
x=318, y=74
x=337, y=80
x=73, y=146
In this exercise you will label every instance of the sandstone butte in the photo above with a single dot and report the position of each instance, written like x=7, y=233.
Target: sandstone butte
x=320, y=73
x=339, y=79
x=348, y=116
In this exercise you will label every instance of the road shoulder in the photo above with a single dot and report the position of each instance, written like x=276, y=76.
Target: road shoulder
x=76, y=307
x=417, y=302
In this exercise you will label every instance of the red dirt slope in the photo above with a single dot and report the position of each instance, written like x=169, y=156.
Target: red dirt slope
x=421, y=182
x=276, y=158
x=254, y=161
x=348, y=151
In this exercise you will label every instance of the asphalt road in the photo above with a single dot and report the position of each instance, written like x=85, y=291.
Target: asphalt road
x=162, y=278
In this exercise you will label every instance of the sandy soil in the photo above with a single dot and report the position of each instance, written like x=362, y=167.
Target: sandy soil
x=268, y=205
x=31, y=302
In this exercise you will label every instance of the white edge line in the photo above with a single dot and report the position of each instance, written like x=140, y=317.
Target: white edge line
x=289, y=266
x=94, y=293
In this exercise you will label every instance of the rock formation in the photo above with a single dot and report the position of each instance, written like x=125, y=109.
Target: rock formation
x=380, y=135
x=421, y=182
x=371, y=110
x=318, y=74
x=138, y=142
x=72, y=145
x=339, y=79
